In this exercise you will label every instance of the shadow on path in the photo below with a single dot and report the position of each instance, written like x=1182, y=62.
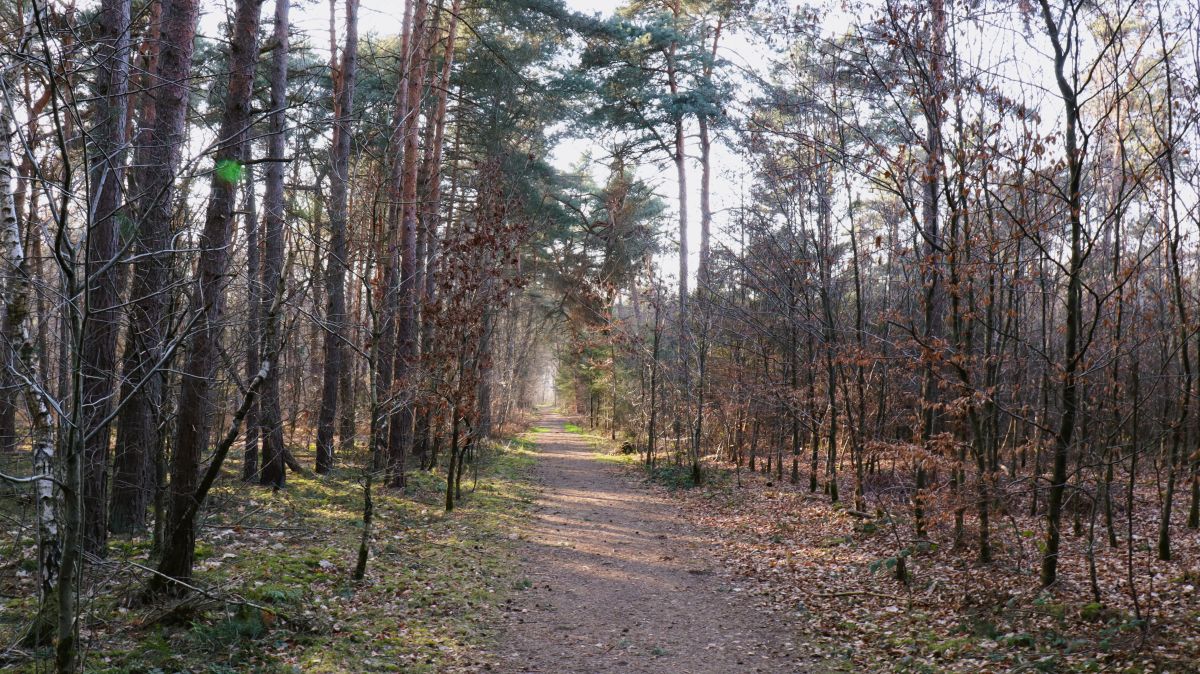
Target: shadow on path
x=621, y=583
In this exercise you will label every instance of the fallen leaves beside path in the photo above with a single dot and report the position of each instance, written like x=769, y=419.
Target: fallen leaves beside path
x=830, y=573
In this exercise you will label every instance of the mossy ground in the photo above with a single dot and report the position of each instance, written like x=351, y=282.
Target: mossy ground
x=278, y=566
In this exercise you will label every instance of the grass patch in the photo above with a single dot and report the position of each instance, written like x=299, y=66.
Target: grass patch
x=602, y=443
x=667, y=474
x=672, y=476
x=435, y=582
x=618, y=459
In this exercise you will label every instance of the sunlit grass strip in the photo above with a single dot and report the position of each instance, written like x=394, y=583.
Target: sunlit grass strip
x=431, y=599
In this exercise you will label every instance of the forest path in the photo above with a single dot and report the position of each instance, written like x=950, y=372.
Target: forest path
x=621, y=583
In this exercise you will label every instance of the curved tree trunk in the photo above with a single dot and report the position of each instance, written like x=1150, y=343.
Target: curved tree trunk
x=1071, y=355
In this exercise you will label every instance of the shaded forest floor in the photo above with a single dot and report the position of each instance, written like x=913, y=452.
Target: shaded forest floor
x=831, y=575
x=277, y=571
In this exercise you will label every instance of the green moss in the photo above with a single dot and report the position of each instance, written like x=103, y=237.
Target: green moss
x=957, y=644
x=1021, y=640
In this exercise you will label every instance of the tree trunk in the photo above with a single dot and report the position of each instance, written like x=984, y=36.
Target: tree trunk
x=274, y=473
x=345, y=75
x=1071, y=355
x=388, y=304
x=157, y=160
x=250, y=472
x=930, y=267
x=406, y=341
x=26, y=367
x=101, y=318
x=680, y=159
x=195, y=396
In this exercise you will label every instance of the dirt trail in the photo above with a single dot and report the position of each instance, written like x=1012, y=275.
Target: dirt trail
x=620, y=582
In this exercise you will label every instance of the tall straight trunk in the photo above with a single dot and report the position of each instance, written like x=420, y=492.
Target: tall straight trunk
x=157, y=161
x=345, y=75
x=388, y=304
x=274, y=472
x=932, y=273
x=1071, y=354
x=679, y=156
x=652, y=421
x=101, y=315
x=1171, y=216
x=859, y=426
x=702, y=273
x=825, y=239
x=1119, y=423
x=959, y=249
x=195, y=394
x=18, y=300
x=401, y=438
x=810, y=403
x=1178, y=429
x=253, y=325
x=830, y=350
x=431, y=177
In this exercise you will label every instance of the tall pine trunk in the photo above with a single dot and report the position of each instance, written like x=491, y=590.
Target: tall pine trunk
x=274, y=472
x=345, y=75
x=101, y=315
x=400, y=442
x=157, y=161
x=195, y=390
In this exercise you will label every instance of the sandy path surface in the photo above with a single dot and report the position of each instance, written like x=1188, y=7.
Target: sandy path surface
x=621, y=583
